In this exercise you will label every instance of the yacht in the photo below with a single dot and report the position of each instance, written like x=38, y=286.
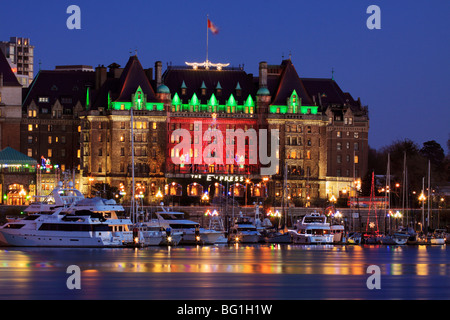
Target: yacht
x=398, y=238
x=354, y=238
x=58, y=221
x=312, y=229
x=191, y=231
x=244, y=230
x=337, y=230
x=153, y=235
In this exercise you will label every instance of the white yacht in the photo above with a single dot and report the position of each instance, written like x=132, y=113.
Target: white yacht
x=244, y=230
x=312, y=229
x=337, y=230
x=192, y=233
x=58, y=221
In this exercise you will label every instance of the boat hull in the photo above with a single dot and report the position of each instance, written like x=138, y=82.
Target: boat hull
x=244, y=237
x=57, y=239
x=312, y=239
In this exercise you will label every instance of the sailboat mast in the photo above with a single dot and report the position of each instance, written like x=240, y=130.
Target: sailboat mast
x=132, y=167
x=404, y=188
x=429, y=193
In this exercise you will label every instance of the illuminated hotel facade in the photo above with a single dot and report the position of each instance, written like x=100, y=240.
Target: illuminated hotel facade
x=323, y=132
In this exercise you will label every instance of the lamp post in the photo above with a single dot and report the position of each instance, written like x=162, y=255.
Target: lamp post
x=422, y=198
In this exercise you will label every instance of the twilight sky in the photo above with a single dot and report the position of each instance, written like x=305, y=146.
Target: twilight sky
x=402, y=71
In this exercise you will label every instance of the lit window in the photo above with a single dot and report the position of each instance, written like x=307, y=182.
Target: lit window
x=30, y=127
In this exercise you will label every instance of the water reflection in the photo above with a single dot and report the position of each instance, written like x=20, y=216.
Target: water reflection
x=243, y=270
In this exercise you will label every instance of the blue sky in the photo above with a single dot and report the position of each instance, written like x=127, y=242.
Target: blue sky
x=402, y=72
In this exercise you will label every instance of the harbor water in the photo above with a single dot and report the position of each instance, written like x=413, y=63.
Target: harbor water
x=229, y=272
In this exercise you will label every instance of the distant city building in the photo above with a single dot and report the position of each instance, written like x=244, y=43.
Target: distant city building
x=20, y=53
x=10, y=106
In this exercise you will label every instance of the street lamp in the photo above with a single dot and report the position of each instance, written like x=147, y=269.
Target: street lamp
x=423, y=198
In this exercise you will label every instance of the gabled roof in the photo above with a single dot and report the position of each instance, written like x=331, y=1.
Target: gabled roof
x=226, y=80
x=9, y=78
x=288, y=82
x=327, y=92
x=132, y=77
x=12, y=156
x=59, y=84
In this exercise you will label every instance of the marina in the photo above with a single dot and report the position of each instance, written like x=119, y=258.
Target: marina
x=65, y=218
x=161, y=254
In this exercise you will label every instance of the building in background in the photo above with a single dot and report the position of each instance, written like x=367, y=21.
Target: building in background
x=79, y=120
x=20, y=53
x=107, y=146
x=50, y=128
x=10, y=106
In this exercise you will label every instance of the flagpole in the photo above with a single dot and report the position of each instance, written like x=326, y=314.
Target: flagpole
x=207, y=19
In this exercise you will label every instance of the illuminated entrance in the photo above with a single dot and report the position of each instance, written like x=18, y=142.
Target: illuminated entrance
x=17, y=196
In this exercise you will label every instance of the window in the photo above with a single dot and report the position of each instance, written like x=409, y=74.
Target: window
x=30, y=127
x=356, y=146
x=49, y=153
x=43, y=99
x=338, y=134
x=30, y=139
x=338, y=146
x=356, y=159
x=49, y=139
x=30, y=152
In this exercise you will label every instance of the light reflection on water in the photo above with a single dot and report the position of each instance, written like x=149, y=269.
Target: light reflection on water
x=227, y=272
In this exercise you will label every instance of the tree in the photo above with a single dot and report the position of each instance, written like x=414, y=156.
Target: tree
x=433, y=152
x=416, y=163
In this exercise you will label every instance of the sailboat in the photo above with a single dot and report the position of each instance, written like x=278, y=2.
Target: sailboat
x=393, y=238
x=283, y=235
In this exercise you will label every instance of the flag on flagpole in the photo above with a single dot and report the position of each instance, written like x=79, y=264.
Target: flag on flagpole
x=213, y=27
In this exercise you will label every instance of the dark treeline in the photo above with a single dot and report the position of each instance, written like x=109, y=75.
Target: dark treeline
x=417, y=158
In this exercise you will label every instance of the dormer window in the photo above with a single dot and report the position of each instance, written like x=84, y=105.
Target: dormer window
x=43, y=99
x=218, y=89
x=238, y=90
x=203, y=87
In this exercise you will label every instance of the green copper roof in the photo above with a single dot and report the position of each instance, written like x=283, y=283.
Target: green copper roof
x=12, y=156
x=163, y=89
x=263, y=91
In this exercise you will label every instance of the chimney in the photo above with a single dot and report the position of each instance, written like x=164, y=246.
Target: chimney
x=149, y=73
x=158, y=70
x=100, y=76
x=263, y=74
